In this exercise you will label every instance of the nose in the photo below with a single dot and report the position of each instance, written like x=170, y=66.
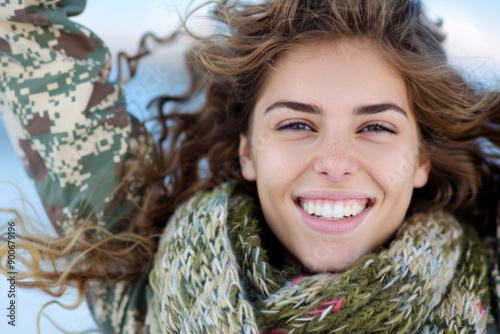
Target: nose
x=335, y=160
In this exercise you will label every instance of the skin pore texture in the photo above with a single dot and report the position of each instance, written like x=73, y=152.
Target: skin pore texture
x=333, y=135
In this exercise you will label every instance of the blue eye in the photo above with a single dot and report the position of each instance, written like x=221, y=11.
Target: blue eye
x=379, y=128
x=294, y=126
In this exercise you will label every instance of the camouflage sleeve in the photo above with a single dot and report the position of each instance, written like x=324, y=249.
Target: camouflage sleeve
x=72, y=129
x=68, y=124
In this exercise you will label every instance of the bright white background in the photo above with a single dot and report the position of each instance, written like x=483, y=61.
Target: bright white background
x=473, y=40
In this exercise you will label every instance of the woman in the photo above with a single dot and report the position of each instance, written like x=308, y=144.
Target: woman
x=348, y=175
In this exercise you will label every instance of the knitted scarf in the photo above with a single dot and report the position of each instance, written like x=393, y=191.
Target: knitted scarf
x=211, y=275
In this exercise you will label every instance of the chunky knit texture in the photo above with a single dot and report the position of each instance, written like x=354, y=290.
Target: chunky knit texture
x=212, y=275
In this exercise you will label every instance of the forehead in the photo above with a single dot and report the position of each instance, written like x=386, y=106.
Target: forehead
x=353, y=69
x=347, y=48
x=344, y=55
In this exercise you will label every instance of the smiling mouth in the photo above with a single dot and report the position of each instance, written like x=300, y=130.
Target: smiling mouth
x=334, y=210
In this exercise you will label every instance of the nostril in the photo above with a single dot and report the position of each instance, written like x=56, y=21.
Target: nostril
x=335, y=167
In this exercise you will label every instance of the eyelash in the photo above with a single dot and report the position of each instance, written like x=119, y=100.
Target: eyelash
x=294, y=126
x=379, y=127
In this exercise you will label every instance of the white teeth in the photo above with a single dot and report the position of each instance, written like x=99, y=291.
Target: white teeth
x=327, y=211
x=338, y=211
x=310, y=209
x=332, y=212
x=305, y=206
x=347, y=210
x=318, y=210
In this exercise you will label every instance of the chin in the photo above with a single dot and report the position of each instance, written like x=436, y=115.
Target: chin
x=337, y=265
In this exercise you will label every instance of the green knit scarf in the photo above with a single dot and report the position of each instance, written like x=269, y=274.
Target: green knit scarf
x=211, y=275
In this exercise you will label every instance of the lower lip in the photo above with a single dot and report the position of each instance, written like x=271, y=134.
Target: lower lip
x=333, y=226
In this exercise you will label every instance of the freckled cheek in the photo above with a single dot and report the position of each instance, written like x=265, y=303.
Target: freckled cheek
x=392, y=167
x=280, y=162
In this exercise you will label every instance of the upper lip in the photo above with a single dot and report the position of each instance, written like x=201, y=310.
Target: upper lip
x=336, y=195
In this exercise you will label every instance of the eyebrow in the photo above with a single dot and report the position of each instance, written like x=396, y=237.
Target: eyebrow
x=297, y=106
x=313, y=109
x=377, y=108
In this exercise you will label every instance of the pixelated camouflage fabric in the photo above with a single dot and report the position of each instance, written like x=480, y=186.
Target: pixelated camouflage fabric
x=73, y=132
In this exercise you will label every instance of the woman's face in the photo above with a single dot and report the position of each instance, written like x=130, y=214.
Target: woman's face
x=334, y=150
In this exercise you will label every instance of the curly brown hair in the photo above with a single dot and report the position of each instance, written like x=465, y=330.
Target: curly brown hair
x=459, y=122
